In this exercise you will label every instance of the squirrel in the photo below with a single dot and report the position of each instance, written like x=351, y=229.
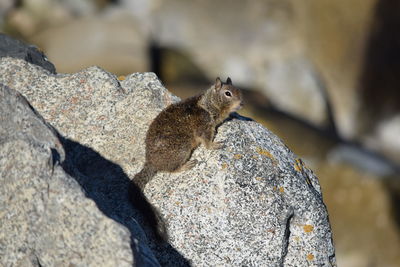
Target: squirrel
x=175, y=133
x=181, y=127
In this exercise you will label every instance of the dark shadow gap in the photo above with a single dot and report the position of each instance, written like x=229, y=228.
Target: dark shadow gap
x=392, y=186
x=155, y=59
x=379, y=82
x=173, y=66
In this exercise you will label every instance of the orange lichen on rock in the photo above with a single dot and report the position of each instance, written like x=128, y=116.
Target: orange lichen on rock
x=237, y=156
x=308, y=228
x=264, y=153
x=74, y=100
x=224, y=165
x=310, y=256
x=281, y=189
x=271, y=230
x=298, y=166
x=121, y=78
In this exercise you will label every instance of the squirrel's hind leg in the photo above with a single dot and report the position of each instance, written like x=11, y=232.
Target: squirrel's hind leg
x=187, y=166
x=206, y=137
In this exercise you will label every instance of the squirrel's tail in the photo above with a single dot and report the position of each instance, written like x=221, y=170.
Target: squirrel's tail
x=144, y=176
x=139, y=201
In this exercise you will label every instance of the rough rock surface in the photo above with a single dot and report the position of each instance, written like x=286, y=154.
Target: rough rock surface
x=254, y=203
x=250, y=203
x=45, y=218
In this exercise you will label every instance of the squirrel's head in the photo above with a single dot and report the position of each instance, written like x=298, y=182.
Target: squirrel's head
x=228, y=96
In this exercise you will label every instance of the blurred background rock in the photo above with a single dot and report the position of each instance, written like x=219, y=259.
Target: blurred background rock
x=323, y=75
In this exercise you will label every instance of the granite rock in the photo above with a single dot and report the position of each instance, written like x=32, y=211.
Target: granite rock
x=45, y=217
x=251, y=203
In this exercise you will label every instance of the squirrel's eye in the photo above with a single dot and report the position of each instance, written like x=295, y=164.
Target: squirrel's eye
x=227, y=93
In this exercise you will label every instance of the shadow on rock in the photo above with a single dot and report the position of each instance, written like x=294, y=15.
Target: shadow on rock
x=107, y=185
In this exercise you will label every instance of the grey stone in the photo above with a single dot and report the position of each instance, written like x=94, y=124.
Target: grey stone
x=252, y=203
x=102, y=180
x=45, y=218
x=10, y=47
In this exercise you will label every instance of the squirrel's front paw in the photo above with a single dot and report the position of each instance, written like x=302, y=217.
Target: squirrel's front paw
x=217, y=145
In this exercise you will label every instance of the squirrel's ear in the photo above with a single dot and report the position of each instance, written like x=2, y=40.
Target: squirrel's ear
x=218, y=83
x=229, y=81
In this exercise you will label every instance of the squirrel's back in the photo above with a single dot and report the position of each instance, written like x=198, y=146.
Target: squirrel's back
x=181, y=127
x=177, y=121
x=171, y=136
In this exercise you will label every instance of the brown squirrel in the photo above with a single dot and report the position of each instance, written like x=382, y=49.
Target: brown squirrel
x=175, y=133
x=181, y=127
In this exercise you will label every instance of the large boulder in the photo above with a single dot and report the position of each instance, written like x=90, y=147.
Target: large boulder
x=250, y=203
x=45, y=218
x=253, y=203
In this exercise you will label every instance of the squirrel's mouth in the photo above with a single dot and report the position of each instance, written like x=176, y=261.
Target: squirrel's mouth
x=237, y=106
